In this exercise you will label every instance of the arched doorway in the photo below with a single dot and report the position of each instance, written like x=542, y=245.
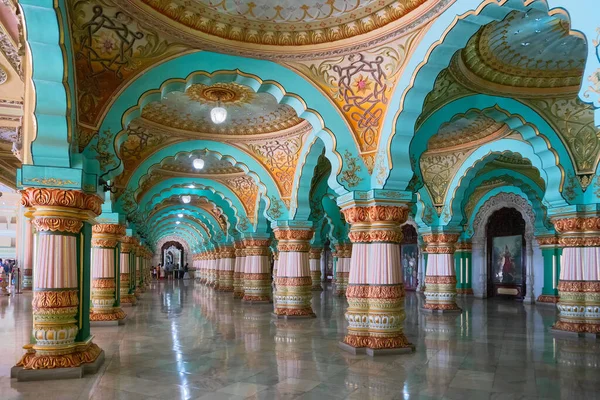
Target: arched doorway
x=506, y=270
x=172, y=253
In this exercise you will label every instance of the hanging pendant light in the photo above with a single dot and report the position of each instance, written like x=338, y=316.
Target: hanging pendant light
x=218, y=114
x=180, y=215
x=186, y=198
x=177, y=222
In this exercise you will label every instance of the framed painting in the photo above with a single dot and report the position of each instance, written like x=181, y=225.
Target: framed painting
x=410, y=265
x=507, y=260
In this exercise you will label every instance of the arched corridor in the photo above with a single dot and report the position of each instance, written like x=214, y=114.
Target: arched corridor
x=415, y=180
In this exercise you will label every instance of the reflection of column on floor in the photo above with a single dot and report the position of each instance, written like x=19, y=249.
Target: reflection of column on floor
x=315, y=267
x=577, y=353
x=579, y=285
x=238, y=270
x=105, y=273
x=60, y=320
x=462, y=262
x=440, y=278
x=375, y=290
x=226, y=269
x=551, y=253
x=257, y=274
x=289, y=336
x=211, y=268
x=203, y=262
x=127, y=297
x=294, y=294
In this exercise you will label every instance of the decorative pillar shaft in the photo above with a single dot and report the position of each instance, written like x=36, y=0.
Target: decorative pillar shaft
x=61, y=335
x=315, y=268
x=293, y=283
x=551, y=253
x=344, y=255
x=579, y=284
x=127, y=297
x=238, y=271
x=217, y=268
x=28, y=256
x=226, y=266
x=375, y=290
x=257, y=271
x=440, y=277
x=106, y=304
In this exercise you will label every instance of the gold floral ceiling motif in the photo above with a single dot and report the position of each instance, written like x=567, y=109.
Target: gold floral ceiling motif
x=281, y=23
x=531, y=50
x=248, y=113
x=245, y=189
x=110, y=48
x=361, y=85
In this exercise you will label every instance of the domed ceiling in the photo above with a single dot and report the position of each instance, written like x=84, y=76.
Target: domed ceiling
x=279, y=23
x=248, y=113
x=525, y=50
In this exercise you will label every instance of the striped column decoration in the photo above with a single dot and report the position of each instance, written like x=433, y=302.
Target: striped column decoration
x=212, y=268
x=238, y=270
x=579, y=281
x=257, y=271
x=226, y=267
x=440, y=276
x=375, y=290
x=314, y=257
x=344, y=254
x=28, y=256
x=106, y=304
x=293, y=297
x=127, y=297
x=61, y=335
x=202, y=265
x=217, y=268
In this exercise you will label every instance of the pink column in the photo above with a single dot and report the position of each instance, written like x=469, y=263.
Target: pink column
x=440, y=276
x=226, y=267
x=257, y=271
x=28, y=256
x=315, y=268
x=375, y=290
x=239, y=270
x=127, y=297
x=293, y=283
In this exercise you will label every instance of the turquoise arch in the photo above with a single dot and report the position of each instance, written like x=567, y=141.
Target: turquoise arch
x=192, y=243
x=214, y=191
x=512, y=178
x=300, y=204
x=183, y=232
x=546, y=143
x=424, y=204
x=166, y=193
x=328, y=124
x=219, y=150
x=192, y=227
x=167, y=220
x=449, y=32
x=535, y=205
x=487, y=153
x=196, y=215
x=553, y=169
x=338, y=232
x=178, y=237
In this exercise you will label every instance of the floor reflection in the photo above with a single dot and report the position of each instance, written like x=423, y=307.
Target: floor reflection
x=188, y=341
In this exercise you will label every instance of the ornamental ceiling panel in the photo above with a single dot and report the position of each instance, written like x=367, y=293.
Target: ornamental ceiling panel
x=245, y=189
x=248, y=113
x=361, y=86
x=197, y=201
x=525, y=50
x=110, y=48
x=281, y=23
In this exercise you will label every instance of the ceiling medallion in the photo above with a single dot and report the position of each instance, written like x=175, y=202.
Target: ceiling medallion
x=224, y=93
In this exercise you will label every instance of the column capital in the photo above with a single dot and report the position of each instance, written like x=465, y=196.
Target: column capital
x=440, y=243
x=315, y=253
x=293, y=240
x=107, y=235
x=578, y=231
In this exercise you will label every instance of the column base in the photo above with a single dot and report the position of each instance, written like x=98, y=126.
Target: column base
x=256, y=299
x=28, y=375
x=548, y=298
x=441, y=309
x=379, y=349
x=128, y=300
x=238, y=295
x=576, y=329
x=104, y=319
x=289, y=316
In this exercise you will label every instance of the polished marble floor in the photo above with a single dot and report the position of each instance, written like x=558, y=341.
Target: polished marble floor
x=187, y=341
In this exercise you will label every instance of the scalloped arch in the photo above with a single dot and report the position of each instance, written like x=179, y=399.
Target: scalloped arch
x=449, y=32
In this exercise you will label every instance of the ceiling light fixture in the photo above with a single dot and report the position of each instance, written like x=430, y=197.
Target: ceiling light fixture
x=180, y=215
x=218, y=114
x=198, y=163
x=192, y=186
x=186, y=198
x=177, y=222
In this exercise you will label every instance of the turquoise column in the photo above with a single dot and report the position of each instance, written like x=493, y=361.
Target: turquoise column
x=463, y=267
x=551, y=252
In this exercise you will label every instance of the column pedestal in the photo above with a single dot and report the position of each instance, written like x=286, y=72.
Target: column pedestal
x=106, y=307
x=579, y=284
x=257, y=275
x=315, y=268
x=62, y=345
x=440, y=277
x=294, y=283
x=375, y=291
